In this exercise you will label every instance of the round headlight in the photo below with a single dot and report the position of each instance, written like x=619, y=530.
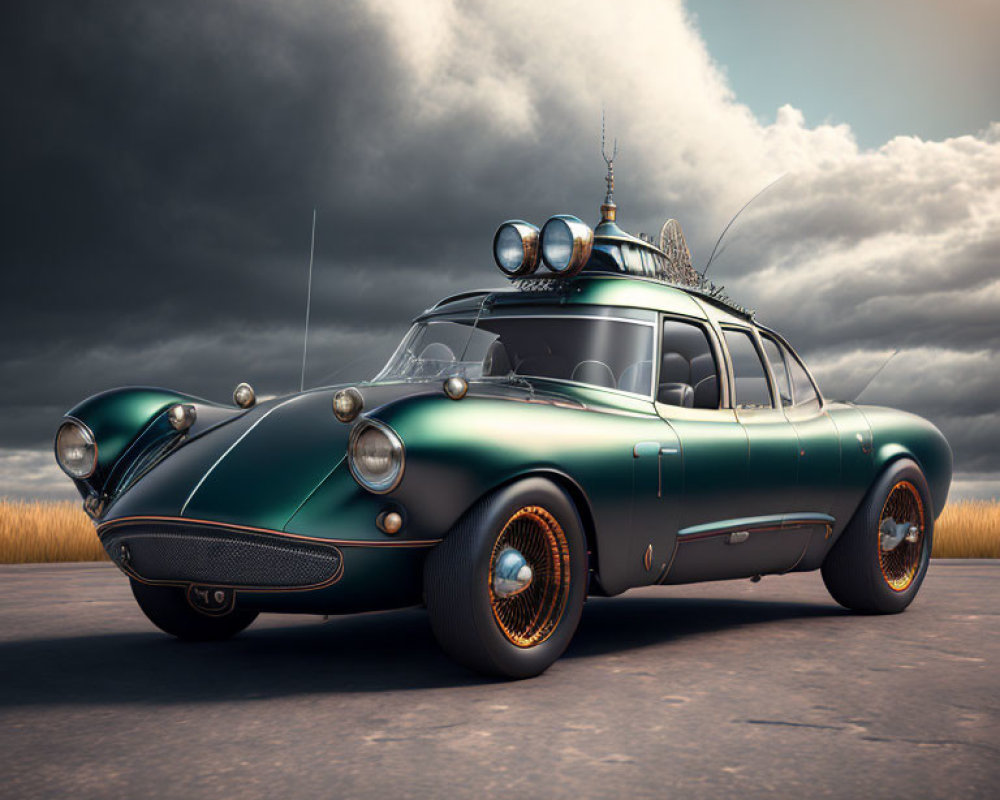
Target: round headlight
x=566, y=244
x=76, y=450
x=515, y=248
x=375, y=457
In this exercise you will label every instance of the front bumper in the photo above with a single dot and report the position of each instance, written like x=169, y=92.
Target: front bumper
x=184, y=552
x=269, y=570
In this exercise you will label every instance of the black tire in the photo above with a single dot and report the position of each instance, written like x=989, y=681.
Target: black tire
x=857, y=572
x=466, y=613
x=170, y=610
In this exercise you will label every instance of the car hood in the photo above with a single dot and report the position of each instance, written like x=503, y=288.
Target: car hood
x=256, y=470
x=259, y=469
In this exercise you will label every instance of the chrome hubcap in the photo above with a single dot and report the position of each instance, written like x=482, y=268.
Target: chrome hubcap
x=511, y=573
x=892, y=534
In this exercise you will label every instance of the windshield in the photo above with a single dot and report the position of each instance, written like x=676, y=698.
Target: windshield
x=613, y=353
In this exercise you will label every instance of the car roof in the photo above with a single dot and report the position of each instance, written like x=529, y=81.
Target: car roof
x=603, y=289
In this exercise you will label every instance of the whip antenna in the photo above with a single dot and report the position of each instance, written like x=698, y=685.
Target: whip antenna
x=873, y=377
x=721, y=235
x=309, y=291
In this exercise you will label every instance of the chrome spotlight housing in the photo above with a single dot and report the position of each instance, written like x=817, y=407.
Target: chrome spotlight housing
x=347, y=404
x=244, y=396
x=515, y=248
x=456, y=387
x=76, y=449
x=375, y=456
x=566, y=242
x=181, y=416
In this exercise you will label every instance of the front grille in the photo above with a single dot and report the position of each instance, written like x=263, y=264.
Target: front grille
x=218, y=556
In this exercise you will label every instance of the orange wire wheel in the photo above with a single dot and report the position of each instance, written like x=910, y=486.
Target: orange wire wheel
x=529, y=576
x=901, y=536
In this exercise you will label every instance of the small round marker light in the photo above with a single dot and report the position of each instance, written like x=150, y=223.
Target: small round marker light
x=515, y=248
x=243, y=396
x=456, y=387
x=347, y=404
x=182, y=416
x=390, y=522
x=566, y=244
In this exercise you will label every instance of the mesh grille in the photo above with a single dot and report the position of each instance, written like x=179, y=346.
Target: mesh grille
x=220, y=557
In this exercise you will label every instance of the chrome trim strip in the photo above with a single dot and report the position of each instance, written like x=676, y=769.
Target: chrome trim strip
x=229, y=449
x=755, y=523
x=109, y=524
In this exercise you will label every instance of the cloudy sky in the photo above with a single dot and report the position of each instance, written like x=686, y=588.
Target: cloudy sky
x=160, y=163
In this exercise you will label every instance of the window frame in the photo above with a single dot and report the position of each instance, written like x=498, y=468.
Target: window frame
x=787, y=350
x=719, y=354
x=772, y=387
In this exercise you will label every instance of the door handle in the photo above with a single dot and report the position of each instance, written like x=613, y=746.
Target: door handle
x=659, y=450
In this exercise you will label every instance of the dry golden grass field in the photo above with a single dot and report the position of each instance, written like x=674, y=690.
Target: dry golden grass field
x=35, y=531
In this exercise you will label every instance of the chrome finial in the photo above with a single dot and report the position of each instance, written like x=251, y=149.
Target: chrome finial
x=511, y=573
x=608, y=208
x=244, y=395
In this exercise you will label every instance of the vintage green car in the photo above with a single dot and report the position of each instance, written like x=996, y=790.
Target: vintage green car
x=602, y=426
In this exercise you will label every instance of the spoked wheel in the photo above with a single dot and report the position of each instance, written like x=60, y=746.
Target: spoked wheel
x=529, y=576
x=505, y=589
x=881, y=558
x=901, y=536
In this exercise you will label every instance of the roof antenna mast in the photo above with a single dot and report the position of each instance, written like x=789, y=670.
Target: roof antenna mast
x=309, y=292
x=608, y=208
x=722, y=235
x=876, y=374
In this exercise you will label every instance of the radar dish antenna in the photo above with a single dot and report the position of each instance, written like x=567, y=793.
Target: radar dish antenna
x=674, y=246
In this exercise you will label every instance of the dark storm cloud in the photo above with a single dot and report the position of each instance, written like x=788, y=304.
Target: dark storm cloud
x=161, y=162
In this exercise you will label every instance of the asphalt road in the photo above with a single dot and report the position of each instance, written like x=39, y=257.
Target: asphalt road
x=715, y=690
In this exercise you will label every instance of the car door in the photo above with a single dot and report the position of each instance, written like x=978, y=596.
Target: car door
x=698, y=443
x=741, y=525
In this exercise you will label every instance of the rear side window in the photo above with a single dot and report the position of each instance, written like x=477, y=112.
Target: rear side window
x=777, y=361
x=752, y=390
x=689, y=374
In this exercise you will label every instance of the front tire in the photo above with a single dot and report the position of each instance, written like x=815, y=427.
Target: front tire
x=859, y=572
x=509, y=632
x=172, y=609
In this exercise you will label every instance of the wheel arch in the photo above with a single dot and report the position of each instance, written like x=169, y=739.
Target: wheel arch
x=890, y=454
x=576, y=494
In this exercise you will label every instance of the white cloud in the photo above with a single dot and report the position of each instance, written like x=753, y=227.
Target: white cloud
x=494, y=111
x=33, y=474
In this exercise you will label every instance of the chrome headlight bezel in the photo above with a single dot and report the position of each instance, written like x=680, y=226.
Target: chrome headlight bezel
x=71, y=423
x=567, y=257
x=525, y=248
x=363, y=477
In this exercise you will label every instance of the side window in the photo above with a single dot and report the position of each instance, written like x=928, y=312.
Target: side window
x=689, y=374
x=805, y=392
x=752, y=390
x=776, y=358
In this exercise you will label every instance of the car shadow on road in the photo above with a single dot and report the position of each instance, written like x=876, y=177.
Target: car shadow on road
x=360, y=653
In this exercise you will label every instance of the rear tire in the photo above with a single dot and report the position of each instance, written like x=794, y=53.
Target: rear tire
x=170, y=610
x=509, y=635
x=858, y=573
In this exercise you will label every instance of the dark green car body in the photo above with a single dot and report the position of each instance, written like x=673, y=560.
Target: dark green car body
x=660, y=489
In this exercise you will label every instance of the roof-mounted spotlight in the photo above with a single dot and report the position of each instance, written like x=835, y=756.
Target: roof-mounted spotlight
x=566, y=244
x=515, y=248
